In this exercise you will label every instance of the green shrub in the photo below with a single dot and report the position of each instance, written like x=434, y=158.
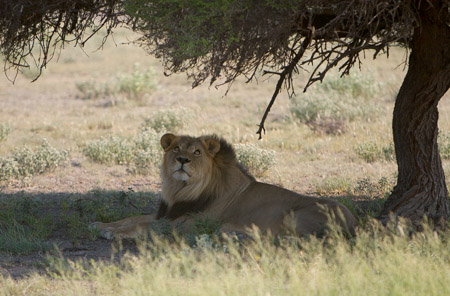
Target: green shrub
x=26, y=162
x=329, y=105
x=357, y=86
x=133, y=86
x=371, y=189
x=168, y=120
x=142, y=154
x=136, y=84
x=371, y=152
x=92, y=90
x=147, y=153
x=333, y=186
x=256, y=160
x=4, y=131
x=109, y=150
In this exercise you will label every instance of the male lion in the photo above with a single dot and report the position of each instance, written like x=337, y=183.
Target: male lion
x=202, y=176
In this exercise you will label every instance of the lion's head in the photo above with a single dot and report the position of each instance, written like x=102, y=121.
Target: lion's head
x=197, y=167
x=188, y=159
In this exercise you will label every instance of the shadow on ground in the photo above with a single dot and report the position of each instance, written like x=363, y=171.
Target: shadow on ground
x=36, y=226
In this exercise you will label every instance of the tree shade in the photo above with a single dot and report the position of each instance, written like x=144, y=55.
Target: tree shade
x=219, y=40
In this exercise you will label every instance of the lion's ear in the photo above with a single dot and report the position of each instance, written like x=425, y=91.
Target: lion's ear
x=167, y=140
x=213, y=146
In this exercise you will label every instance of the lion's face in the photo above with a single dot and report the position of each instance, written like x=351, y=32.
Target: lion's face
x=188, y=159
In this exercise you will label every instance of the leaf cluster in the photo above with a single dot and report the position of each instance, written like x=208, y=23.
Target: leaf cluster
x=32, y=31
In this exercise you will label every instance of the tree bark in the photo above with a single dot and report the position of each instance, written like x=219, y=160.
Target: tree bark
x=421, y=190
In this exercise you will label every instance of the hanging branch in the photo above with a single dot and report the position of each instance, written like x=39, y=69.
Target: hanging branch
x=286, y=72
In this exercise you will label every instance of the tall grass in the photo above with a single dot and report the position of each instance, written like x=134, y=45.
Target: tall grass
x=376, y=262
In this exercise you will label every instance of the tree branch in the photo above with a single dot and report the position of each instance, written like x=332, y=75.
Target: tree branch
x=286, y=72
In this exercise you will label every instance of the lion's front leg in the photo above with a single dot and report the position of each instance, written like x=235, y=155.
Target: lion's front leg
x=132, y=227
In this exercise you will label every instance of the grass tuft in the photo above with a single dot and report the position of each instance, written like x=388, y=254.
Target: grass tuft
x=372, y=152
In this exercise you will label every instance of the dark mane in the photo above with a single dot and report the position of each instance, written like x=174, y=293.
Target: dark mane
x=181, y=208
x=227, y=156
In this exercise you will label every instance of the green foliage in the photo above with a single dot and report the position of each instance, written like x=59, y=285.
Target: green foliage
x=336, y=101
x=78, y=214
x=109, y=150
x=353, y=85
x=136, y=84
x=169, y=120
x=142, y=154
x=371, y=189
x=371, y=152
x=4, y=132
x=334, y=186
x=91, y=89
x=255, y=159
x=132, y=85
x=23, y=227
x=26, y=162
x=19, y=239
x=204, y=225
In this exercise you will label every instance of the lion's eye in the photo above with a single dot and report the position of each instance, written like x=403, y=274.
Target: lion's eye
x=197, y=152
x=176, y=149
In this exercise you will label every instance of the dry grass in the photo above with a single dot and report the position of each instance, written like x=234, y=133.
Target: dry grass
x=307, y=161
x=377, y=262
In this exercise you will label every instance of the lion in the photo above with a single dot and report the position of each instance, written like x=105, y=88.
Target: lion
x=201, y=175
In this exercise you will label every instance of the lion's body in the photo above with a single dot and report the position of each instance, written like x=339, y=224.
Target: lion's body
x=202, y=176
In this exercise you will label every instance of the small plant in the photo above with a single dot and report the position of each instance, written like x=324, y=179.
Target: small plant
x=19, y=239
x=371, y=152
x=206, y=226
x=92, y=90
x=26, y=162
x=23, y=227
x=358, y=86
x=256, y=160
x=4, y=132
x=133, y=86
x=444, y=145
x=136, y=84
x=336, y=101
x=334, y=186
x=109, y=150
x=142, y=154
x=168, y=120
x=371, y=189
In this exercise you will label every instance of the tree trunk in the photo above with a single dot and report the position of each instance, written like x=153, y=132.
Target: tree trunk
x=421, y=189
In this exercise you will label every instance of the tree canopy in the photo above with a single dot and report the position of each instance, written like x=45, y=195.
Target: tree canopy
x=219, y=40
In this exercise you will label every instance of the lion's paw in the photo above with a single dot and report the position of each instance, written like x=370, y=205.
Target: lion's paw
x=106, y=233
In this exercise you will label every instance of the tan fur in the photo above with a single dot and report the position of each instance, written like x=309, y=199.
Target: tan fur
x=212, y=183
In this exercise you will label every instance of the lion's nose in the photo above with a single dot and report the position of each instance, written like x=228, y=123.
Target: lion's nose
x=183, y=160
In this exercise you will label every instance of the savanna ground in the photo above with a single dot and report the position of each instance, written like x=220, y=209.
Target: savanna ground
x=81, y=144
